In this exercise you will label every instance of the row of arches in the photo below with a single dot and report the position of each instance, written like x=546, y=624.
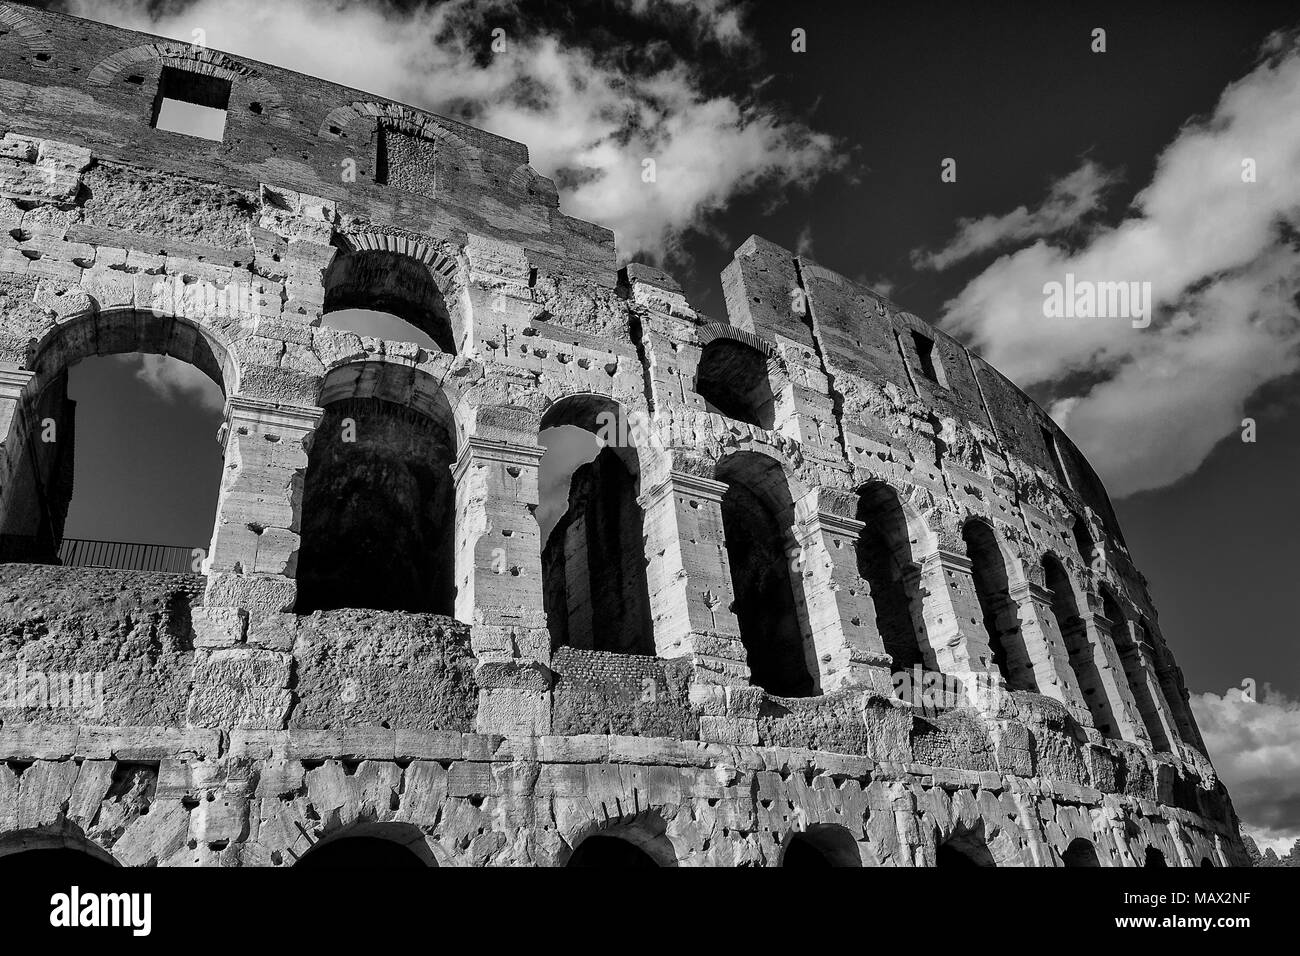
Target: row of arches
x=401, y=847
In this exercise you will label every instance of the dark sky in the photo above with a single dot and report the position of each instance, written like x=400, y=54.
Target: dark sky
x=1018, y=98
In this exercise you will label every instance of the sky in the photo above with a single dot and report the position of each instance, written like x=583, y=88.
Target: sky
x=1128, y=164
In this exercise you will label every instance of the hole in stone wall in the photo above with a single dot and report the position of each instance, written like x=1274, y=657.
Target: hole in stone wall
x=396, y=284
x=610, y=852
x=379, y=325
x=733, y=379
x=594, y=584
x=1001, y=616
x=1080, y=852
x=757, y=514
x=360, y=852
x=885, y=561
x=193, y=104
x=378, y=512
x=930, y=364
x=120, y=468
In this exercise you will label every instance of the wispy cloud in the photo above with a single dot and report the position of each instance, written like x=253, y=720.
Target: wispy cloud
x=591, y=115
x=1223, y=260
x=1068, y=201
x=174, y=381
x=1255, y=747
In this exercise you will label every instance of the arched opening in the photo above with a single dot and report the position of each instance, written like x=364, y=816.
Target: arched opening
x=361, y=853
x=1001, y=615
x=594, y=585
x=395, y=283
x=964, y=851
x=1075, y=633
x=1080, y=852
x=378, y=513
x=1155, y=860
x=116, y=457
x=886, y=563
x=379, y=325
x=821, y=846
x=733, y=379
x=1083, y=540
x=1130, y=655
x=757, y=517
x=1206, y=862
x=610, y=852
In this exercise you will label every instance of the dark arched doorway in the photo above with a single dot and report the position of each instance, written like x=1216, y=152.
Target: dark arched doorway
x=1080, y=852
x=610, y=852
x=733, y=379
x=1065, y=610
x=757, y=517
x=360, y=853
x=1155, y=860
x=378, y=512
x=821, y=846
x=1001, y=615
x=594, y=585
x=886, y=563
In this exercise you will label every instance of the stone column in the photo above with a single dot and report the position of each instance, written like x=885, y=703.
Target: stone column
x=13, y=381
x=499, y=583
x=1141, y=657
x=1046, y=646
x=952, y=620
x=253, y=557
x=848, y=647
x=1114, y=681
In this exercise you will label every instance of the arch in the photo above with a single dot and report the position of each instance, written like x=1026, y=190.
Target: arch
x=640, y=842
x=1074, y=631
x=595, y=588
x=757, y=523
x=1083, y=541
x=993, y=573
x=378, y=504
x=1207, y=863
x=386, y=846
x=964, y=851
x=821, y=845
x=1080, y=852
x=733, y=379
x=888, y=563
x=34, y=502
x=63, y=847
x=1155, y=860
x=1130, y=655
x=414, y=287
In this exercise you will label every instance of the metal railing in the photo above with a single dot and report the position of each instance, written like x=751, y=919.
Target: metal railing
x=126, y=556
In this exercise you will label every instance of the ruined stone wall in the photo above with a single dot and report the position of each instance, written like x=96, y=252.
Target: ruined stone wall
x=236, y=729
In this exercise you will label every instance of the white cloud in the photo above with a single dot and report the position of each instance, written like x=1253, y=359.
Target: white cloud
x=1068, y=201
x=174, y=381
x=588, y=121
x=1255, y=746
x=1224, y=272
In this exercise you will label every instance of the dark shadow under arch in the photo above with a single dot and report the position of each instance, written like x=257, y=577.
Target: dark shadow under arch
x=887, y=564
x=757, y=516
x=733, y=379
x=822, y=845
x=1078, y=647
x=1081, y=853
x=1155, y=860
x=1001, y=616
x=360, y=852
x=610, y=852
x=392, y=282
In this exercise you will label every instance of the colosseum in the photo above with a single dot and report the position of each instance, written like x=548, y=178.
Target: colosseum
x=834, y=592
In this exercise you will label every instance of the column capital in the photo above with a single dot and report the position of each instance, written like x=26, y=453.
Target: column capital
x=244, y=408
x=13, y=381
x=838, y=524
x=495, y=449
x=679, y=481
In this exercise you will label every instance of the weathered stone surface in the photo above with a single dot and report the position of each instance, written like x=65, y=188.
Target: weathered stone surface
x=831, y=580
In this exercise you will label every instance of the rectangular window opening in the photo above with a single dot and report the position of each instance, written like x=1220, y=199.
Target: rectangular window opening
x=192, y=104
x=1054, y=453
x=925, y=355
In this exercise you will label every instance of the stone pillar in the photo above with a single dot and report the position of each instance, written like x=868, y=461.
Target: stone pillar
x=253, y=557
x=13, y=382
x=1141, y=657
x=1046, y=645
x=1114, y=681
x=499, y=583
x=690, y=578
x=953, y=620
x=846, y=640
